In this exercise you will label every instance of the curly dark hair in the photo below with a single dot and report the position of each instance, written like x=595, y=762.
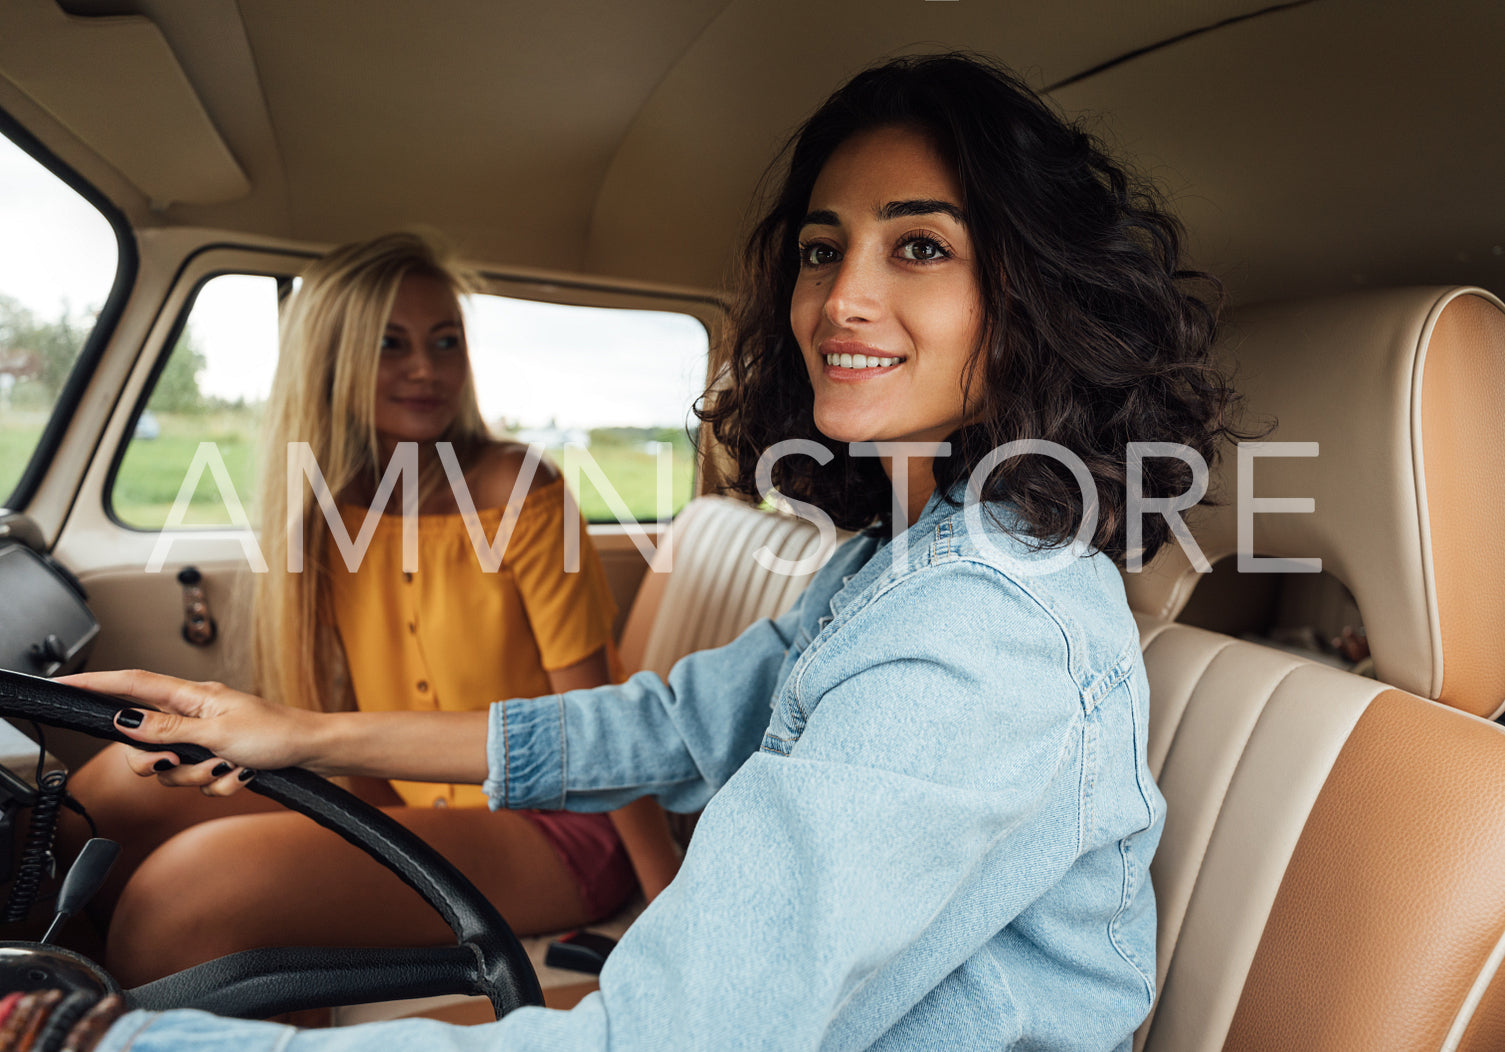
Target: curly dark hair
x=1094, y=334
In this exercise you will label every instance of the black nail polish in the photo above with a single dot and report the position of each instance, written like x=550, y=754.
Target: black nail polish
x=128, y=718
x=163, y=764
x=221, y=769
x=246, y=775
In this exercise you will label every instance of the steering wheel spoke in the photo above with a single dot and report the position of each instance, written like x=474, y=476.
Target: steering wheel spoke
x=487, y=958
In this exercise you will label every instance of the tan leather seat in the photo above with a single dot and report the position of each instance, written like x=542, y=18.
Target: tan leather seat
x=1332, y=873
x=1404, y=389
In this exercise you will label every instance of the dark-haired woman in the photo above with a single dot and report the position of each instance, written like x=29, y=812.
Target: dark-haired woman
x=940, y=834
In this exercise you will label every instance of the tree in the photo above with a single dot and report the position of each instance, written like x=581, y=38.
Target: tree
x=177, y=389
x=40, y=355
x=43, y=352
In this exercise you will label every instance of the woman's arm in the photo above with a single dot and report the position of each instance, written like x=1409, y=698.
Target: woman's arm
x=642, y=824
x=821, y=889
x=679, y=740
x=254, y=734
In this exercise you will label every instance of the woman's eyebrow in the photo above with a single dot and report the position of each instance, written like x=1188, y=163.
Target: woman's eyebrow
x=924, y=206
x=820, y=217
x=454, y=324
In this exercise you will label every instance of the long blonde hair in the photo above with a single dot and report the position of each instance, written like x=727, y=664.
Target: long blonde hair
x=324, y=393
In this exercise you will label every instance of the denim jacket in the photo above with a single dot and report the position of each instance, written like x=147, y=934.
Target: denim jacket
x=928, y=820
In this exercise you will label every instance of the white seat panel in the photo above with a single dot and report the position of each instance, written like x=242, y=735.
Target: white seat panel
x=1258, y=738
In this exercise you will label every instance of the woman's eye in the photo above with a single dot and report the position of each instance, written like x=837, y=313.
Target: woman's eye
x=817, y=254
x=447, y=343
x=391, y=343
x=922, y=250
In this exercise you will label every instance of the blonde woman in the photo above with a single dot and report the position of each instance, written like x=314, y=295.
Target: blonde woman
x=374, y=370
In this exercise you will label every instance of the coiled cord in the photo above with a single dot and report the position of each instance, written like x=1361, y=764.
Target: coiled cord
x=37, y=852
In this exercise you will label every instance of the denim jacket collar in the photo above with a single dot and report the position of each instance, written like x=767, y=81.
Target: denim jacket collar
x=918, y=536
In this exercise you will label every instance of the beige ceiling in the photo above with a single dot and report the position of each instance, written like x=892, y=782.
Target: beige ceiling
x=1330, y=146
x=1317, y=146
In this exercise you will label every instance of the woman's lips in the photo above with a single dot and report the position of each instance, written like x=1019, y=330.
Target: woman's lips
x=848, y=359
x=421, y=405
x=845, y=373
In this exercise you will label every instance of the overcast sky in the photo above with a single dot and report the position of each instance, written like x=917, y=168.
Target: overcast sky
x=534, y=362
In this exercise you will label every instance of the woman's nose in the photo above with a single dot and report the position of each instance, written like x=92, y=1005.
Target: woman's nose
x=420, y=365
x=856, y=293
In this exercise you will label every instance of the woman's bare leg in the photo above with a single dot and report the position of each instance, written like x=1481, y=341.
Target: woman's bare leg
x=138, y=813
x=281, y=880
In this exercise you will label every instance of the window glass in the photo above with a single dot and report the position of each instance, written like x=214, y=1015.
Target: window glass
x=58, y=257
x=606, y=392
x=212, y=388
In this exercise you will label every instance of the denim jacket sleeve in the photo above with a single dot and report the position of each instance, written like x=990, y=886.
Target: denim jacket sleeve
x=679, y=739
x=832, y=884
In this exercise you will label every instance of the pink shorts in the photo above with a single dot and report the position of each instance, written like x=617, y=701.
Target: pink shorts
x=590, y=849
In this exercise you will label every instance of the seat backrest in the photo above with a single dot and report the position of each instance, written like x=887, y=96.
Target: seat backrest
x=1332, y=872
x=1403, y=391
x=706, y=582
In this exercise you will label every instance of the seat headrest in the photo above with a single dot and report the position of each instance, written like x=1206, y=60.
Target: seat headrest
x=1404, y=392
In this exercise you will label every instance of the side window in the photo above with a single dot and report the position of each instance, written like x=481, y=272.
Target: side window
x=212, y=388
x=58, y=261
x=606, y=391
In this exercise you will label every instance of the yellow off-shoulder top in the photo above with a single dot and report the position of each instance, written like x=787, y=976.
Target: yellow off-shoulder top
x=453, y=637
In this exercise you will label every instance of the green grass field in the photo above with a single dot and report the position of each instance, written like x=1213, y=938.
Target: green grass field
x=153, y=470
x=19, y=431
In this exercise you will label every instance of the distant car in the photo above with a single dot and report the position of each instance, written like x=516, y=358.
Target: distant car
x=147, y=426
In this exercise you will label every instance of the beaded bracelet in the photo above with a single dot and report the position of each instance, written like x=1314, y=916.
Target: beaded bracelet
x=51, y=1021
x=21, y=1026
x=8, y=1005
x=85, y=1033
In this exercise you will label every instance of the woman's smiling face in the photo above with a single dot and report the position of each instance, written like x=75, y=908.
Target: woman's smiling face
x=887, y=308
x=423, y=363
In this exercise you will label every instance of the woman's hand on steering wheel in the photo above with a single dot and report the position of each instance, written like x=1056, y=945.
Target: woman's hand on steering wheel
x=245, y=733
x=253, y=984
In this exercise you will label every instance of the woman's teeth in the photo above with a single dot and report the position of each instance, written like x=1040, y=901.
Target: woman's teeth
x=860, y=361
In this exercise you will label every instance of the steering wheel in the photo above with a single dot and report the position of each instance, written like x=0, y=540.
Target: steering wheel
x=487, y=958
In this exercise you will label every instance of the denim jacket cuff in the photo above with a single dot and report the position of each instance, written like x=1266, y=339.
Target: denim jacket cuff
x=525, y=754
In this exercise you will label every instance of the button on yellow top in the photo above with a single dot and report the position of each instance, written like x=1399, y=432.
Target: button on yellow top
x=464, y=637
